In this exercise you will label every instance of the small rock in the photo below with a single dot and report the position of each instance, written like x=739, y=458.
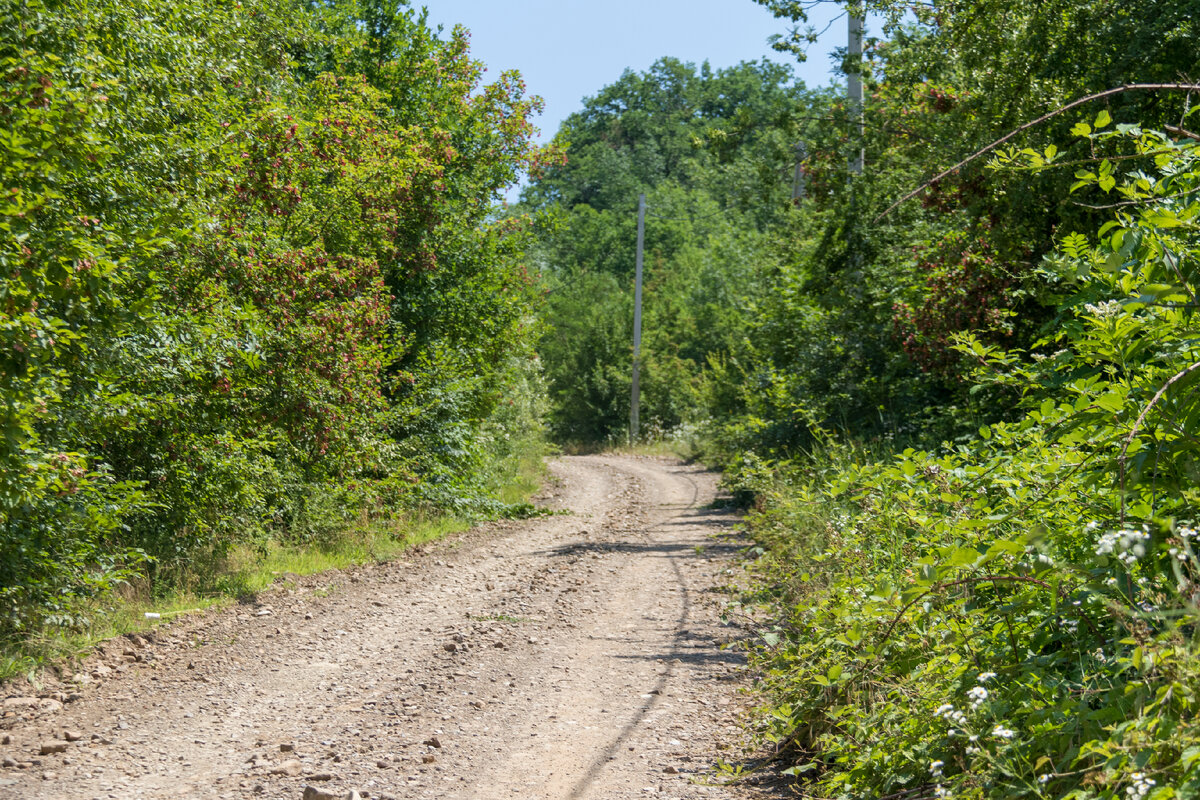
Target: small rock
x=313, y=793
x=476, y=704
x=49, y=706
x=18, y=703
x=433, y=741
x=72, y=735
x=287, y=748
x=323, y=777
x=50, y=748
x=428, y=758
x=308, y=615
x=263, y=612
x=49, y=776
x=352, y=795
x=291, y=767
x=9, y=763
x=671, y=771
x=6, y=739
x=449, y=647
x=382, y=764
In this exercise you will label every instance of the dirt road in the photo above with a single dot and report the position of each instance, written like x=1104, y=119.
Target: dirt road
x=571, y=656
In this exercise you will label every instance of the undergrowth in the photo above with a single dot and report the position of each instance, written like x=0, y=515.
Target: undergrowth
x=1014, y=616
x=247, y=571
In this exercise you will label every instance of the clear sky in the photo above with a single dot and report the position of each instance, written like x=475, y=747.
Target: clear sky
x=569, y=49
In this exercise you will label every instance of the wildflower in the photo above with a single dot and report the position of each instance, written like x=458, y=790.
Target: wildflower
x=1044, y=779
x=940, y=791
x=1003, y=732
x=978, y=695
x=1109, y=308
x=984, y=677
x=935, y=768
x=1127, y=545
x=1140, y=787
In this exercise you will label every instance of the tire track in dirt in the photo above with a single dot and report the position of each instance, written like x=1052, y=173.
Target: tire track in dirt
x=569, y=657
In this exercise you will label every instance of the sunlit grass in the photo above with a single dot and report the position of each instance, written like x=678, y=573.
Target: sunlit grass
x=242, y=573
x=246, y=571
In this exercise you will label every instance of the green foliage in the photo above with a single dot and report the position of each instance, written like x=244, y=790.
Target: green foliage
x=1016, y=616
x=712, y=149
x=251, y=288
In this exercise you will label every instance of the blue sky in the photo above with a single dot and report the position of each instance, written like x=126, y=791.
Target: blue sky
x=569, y=49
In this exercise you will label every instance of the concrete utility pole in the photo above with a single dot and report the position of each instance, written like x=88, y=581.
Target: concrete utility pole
x=854, y=86
x=637, y=321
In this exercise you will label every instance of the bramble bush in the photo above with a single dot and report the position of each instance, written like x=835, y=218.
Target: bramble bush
x=1016, y=616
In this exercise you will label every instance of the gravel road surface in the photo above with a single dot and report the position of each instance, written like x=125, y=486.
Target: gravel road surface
x=566, y=657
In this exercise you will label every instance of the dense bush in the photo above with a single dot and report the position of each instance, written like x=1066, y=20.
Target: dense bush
x=251, y=287
x=1016, y=616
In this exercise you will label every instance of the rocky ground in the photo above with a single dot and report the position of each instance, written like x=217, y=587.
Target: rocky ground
x=570, y=656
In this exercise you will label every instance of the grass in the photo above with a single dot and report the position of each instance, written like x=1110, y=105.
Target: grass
x=243, y=573
x=683, y=449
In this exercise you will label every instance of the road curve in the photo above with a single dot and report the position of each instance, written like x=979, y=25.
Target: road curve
x=570, y=657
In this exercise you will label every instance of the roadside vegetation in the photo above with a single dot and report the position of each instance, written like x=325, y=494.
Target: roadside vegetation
x=260, y=313
x=964, y=423
x=253, y=300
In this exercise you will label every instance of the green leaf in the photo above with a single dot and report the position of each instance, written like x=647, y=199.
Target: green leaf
x=1102, y=119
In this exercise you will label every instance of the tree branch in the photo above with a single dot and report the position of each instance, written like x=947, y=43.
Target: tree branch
x=1129, y=87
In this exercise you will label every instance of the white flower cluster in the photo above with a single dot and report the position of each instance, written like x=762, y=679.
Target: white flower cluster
x=1109, y=308
x=1003, y=732
x=1188, y=534
x=941, y=792
x=947, y=712
x=935, y=768
x=978, y=696
x=1128, y=545
x=984, y=677
x=1141, y=786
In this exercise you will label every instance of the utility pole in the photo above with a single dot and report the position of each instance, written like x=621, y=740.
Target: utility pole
x=637, y=321
x=799, y=190
x=854, y=85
